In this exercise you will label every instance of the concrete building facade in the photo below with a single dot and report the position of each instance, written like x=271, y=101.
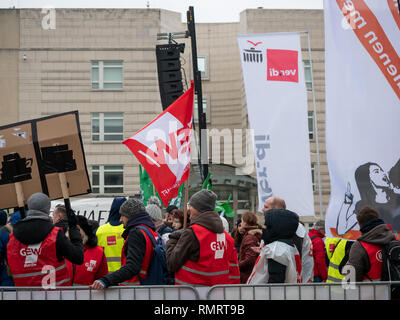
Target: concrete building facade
x=102, y=62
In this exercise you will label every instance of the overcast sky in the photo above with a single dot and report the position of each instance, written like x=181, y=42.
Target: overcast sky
x=204, y=10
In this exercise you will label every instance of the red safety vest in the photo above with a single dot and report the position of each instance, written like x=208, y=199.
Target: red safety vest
x=375, y=258
x=217, y=263
x=29, y=264
x=146, y=260
x=85, y=273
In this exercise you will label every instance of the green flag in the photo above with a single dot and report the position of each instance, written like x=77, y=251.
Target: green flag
x=177, y=201
x=146, y=186
x=206, y=184
x=224, y=209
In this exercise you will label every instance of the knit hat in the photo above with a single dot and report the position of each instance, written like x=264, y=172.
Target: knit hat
x=319, y=225
x=203, y=200
x=171, y=207
x=154, y=200
x=39, y=202
x=154, y=211
x=131, y=207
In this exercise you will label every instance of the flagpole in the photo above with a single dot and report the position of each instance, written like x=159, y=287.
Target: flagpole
x=185, y=208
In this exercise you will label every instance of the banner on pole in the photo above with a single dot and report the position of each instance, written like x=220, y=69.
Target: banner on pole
x=163, y=146
x=362, y=112
x=277, y=108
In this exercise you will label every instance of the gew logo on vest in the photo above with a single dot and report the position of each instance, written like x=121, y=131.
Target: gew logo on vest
x=282, y=65
x=219, y=246
x=31, y=254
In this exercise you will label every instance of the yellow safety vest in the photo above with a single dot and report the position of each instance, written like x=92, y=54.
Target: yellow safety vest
x=110, y=238
x=335, y=249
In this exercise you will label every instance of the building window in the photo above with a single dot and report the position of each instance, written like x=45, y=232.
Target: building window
x=206, y=110
x=107, y=179
x=107, y=127
x=311, y=125
x=308, y=74
x=202, y=65
x=107, y=75
x=313, y=176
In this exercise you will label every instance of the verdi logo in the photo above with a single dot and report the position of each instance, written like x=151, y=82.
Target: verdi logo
x=282, y=65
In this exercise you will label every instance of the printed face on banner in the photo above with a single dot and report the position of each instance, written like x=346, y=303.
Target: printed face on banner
x=282, y=65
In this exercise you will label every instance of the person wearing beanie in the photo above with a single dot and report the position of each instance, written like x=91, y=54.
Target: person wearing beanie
x=204, y=253
x=109, y=235
x=95, y=263
x=48, y=244
x=375, y=233
x=137, y=249
x=169, y=215
x=321, y=261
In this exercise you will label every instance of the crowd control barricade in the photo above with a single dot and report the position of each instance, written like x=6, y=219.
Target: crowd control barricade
x=111, y=293
x=308, y=291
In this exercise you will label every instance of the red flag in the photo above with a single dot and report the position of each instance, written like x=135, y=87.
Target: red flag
x=163, y=146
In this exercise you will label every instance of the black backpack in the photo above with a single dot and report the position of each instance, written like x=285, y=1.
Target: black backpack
x=391, y=265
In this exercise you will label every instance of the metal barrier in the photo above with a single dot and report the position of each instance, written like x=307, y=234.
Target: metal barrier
x=310, y=291
x=111, y=293
x=307, y=291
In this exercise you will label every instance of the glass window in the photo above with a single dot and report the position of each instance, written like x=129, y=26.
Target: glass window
x=107, y=75
x=107, y=126
x=202, y=65
x=308, y=74
x=108, y=179
x=313, y=175
x=205, y=110
x=311, y=125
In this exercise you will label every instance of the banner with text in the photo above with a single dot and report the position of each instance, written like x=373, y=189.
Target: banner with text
x=277, y=109
x=362, y=68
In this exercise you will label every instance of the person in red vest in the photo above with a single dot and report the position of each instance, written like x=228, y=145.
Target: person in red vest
x=204, y=253
x=366, y=253
x=37, y=250
x=95, y=263
x=317, y=234
x=137, y=250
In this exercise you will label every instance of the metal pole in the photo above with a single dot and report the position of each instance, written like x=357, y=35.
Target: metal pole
x=198, y=91
x=316, y=129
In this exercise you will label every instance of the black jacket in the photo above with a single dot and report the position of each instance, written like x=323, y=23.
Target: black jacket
x=281, y=225
x=35, y=228
x=135, y=248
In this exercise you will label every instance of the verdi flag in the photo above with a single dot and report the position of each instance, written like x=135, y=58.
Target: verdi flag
x=276, y=98
x=206, y=184
x=163, y=146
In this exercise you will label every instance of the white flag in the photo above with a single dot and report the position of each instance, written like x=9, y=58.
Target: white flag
x=277, y=108
x=362, y=112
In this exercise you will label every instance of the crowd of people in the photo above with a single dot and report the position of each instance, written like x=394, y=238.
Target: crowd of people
x=72, y=250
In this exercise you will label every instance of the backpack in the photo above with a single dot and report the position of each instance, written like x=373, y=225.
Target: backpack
x=391, y=265
x=158, y=272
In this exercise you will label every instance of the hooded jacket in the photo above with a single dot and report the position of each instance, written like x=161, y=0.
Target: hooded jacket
x=319, y=254
x=374, y=232
x=281, y=225
x=114, y=216
x=183, y=244
x=135, y=249
x=70, y=249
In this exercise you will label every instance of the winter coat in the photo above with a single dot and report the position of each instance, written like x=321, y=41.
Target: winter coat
x=319, y=255
x=247, y=257
x=135, y=248
x=183, y=244
x=374, y=232
x=35, y=228
x=281, y=225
